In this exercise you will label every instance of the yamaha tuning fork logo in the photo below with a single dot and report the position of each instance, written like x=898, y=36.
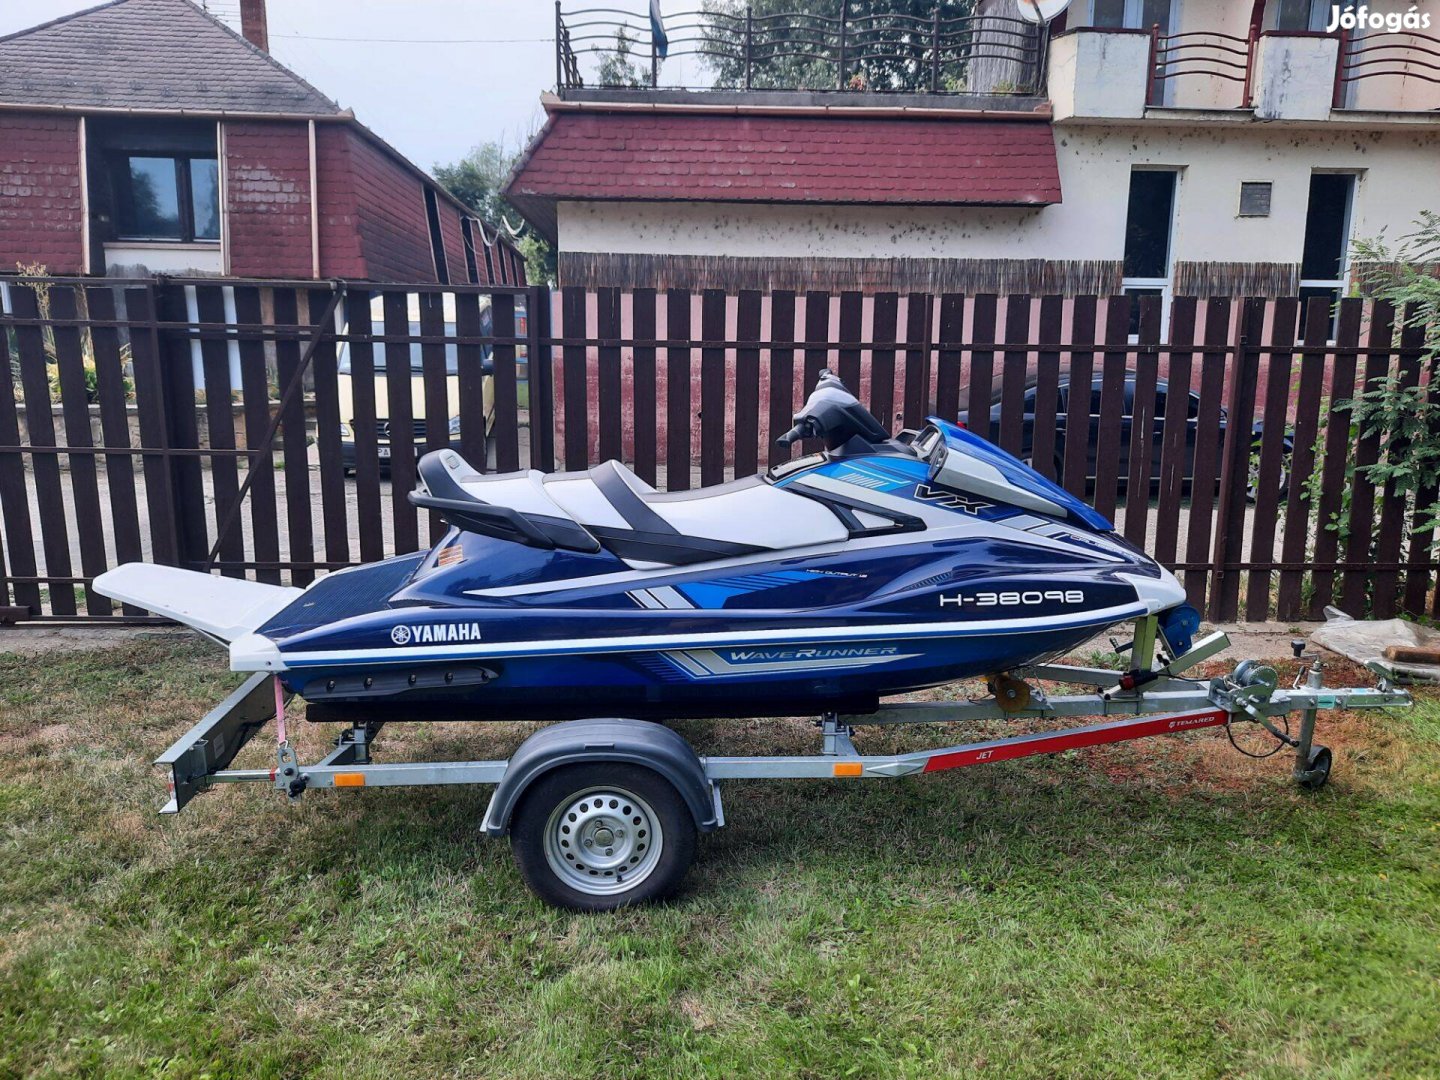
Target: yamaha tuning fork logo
x=435, y=633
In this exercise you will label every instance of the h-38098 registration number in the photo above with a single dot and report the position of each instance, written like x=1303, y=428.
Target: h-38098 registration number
x=1015, y=598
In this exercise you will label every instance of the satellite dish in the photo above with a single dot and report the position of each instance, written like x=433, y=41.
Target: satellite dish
x=1041, y=11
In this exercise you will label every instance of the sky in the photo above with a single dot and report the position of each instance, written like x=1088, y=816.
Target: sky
x=432, y=77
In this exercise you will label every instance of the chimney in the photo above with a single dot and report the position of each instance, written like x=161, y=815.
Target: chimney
x=252, y=24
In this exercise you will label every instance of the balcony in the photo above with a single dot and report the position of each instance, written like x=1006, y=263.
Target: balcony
x=1212, y=74
x=731, y=54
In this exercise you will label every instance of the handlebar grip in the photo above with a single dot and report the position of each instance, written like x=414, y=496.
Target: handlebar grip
x=795, y=434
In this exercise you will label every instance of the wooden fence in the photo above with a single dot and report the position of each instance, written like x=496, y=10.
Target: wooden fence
x=209, y=423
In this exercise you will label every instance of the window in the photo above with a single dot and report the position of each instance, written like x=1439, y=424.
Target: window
x=468, y=232
x=167, y=197
x=1325, y=260
x=437, y=238
x=1149, y=222
x=1255, y=198
x=1131, y=14
x=1293, y=16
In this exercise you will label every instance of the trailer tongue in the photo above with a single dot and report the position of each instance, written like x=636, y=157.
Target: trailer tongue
x=604, y=812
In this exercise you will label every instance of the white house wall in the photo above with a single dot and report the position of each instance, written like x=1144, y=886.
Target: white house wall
x=1094, y=165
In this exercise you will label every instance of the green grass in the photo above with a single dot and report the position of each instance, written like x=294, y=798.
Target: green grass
x=1152, y=909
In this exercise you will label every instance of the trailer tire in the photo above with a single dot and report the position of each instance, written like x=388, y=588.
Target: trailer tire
x=602, y=835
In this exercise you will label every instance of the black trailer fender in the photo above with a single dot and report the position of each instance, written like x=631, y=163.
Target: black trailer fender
x=637, y=742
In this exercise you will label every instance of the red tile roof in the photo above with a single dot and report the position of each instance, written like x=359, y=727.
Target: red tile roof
x=799, y=158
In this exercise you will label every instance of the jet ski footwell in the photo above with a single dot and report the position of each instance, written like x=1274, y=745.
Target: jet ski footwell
x=577, y=764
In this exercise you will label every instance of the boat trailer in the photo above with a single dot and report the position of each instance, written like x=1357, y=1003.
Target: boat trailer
x=1153, y=698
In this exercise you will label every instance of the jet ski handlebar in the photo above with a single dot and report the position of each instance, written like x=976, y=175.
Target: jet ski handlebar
x=834, y=414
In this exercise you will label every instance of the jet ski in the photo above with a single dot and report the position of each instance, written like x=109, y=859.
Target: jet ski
x=874, y=567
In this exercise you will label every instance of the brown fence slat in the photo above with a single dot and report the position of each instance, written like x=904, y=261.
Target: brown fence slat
x=782, y=374
x=14, y=503
x=506, y=429
x=642, y=304
x=1302, y=458
x=255, y=392
x=40, y=421
x=220, y=418
x=610, y=415
x=712, y=389
x=476, y=427
x=1207, y=451
x=1337, y=444
x=747, y=384
x=882, y=359
x=294, y=453
x=978, y=400
x=400, y=416
x=919, y=311
x=1046, y=414
x=1177, y=444
x=948, y=343
x=181, y=421
x=540, y=365
x=817, y=330
x=115, y=430
x=324, y=369
x=576, y=395
x=1272, y=451
x=75, y=411
x=1014, y=375
x=1355, y=588
x=677, y=391
x=1108, y=446
x=1418, y=578
x=435, y=390
x=150, y=412
x=1076, y=448
x=1141, y=454
x=1235, y=473
x=362, y=419
x=1389, y=543
x=850, y=330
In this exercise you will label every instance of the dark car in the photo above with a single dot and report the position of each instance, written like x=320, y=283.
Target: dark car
x=1127, y=418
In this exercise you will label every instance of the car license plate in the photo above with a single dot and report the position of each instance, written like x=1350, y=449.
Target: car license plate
x=383, y=452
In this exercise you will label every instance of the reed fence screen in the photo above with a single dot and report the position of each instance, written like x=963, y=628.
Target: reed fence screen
x=239, y=426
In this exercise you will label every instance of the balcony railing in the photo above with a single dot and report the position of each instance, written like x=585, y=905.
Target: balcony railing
x=739, y=50
x=1403, y=55
x=1204, y=53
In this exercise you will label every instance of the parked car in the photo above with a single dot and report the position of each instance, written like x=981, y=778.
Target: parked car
x=385, y=436
x=1127, y=418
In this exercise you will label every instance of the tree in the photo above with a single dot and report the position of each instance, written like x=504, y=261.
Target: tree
x=879, y=27
x=617, y=68
x=478, y=180
x=1405, y=414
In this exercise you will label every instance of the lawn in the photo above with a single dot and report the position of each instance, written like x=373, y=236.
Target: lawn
x=1163, y=908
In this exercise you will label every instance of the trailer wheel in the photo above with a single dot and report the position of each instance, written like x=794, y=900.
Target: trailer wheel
x=1317, y=769
x=603, y=835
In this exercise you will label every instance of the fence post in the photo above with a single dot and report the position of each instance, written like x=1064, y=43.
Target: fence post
x=749, y=42
x=1247, y=92
x=181, y=432
x=935, y=52
x=1235, y=471
x=1154, y=58
x=844, y=29
x=1337, y=97
x=559, y=49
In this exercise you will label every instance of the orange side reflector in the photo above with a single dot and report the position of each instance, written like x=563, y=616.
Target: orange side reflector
x=349, y=779
x=849, y=768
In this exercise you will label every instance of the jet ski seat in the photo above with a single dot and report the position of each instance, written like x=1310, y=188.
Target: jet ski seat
x=610, y=507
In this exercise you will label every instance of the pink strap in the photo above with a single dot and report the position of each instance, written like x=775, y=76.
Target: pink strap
x=280, y=736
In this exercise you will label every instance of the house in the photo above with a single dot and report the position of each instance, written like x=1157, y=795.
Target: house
x=1233, y=147
x=146, y=136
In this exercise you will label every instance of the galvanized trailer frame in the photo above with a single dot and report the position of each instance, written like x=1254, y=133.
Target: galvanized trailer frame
x=1154, y=699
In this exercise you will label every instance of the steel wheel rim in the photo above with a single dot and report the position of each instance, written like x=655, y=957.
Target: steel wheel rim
x=603, y=840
